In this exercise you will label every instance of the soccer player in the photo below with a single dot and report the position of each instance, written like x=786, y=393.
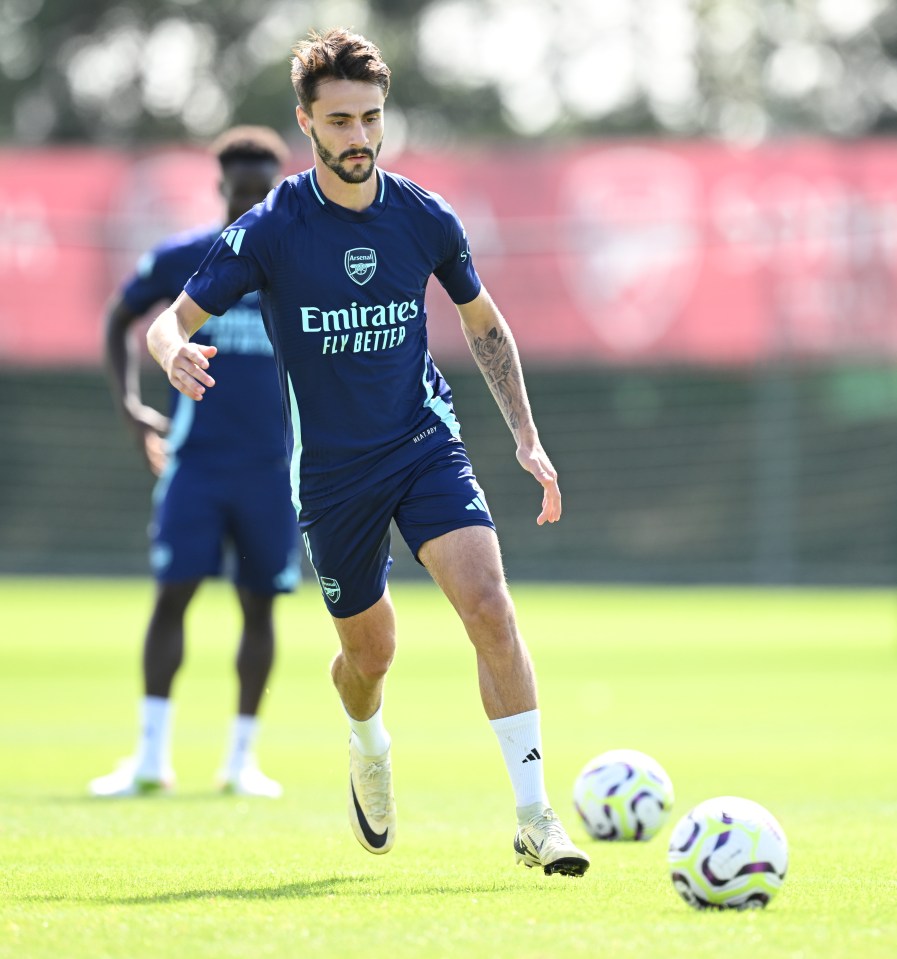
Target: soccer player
x=341, y=255
x=223, y=479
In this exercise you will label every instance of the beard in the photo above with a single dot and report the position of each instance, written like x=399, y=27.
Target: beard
x=333, y=162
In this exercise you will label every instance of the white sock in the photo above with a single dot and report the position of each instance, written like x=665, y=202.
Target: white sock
x=243, y=733
x=370, y=735
x=153, y=751
x=520, y=738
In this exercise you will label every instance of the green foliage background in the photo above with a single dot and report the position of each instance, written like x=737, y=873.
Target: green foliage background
x=755, y=68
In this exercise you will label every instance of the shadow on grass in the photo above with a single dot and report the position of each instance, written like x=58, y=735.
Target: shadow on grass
x=123, y=802
x=309, y=889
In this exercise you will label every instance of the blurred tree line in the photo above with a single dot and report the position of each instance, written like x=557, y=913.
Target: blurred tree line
x=123, y=71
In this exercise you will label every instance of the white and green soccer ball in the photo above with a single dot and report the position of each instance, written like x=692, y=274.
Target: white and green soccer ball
x=623, y=794
x=728, y=853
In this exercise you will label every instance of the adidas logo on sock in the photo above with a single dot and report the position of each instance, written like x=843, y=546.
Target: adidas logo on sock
x=532, y=756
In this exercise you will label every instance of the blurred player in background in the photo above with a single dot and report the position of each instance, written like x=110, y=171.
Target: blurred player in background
x=223, y=490
x=342, y=255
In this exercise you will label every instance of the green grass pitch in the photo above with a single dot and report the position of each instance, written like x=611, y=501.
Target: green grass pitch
x=785, y=697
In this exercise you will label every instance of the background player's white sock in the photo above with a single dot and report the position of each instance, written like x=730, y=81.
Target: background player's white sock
x=243, y=733
x=520, y=738
x=371, y=737
x=153, y=752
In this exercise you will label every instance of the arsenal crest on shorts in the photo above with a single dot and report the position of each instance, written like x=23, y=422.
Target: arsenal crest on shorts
x=360, y=264
x=331, y=588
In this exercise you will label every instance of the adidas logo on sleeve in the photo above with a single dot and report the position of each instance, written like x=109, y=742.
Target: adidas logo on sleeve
x=234, y=239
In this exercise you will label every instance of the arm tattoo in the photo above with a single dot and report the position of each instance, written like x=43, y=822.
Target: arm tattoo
x=496, y=356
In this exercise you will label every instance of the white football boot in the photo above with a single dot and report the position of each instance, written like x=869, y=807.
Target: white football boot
x=249, y=781
x=126, y=781
x=372, y=806
x=542, y=841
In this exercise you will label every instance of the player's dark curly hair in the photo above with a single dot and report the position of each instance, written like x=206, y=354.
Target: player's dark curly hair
x=249, y=143
x=337, y=54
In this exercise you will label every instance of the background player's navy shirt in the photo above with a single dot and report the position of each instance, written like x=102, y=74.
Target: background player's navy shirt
x=240, y=419
x=342, y=294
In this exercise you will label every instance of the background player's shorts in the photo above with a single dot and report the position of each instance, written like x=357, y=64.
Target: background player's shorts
x=204, y=514
x=348, y=544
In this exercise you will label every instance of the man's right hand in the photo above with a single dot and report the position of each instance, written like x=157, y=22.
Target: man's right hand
x=186, y=369
x=168, y=339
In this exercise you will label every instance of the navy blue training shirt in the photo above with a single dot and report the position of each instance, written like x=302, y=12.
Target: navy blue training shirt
x=342, y=294
x=240, y=419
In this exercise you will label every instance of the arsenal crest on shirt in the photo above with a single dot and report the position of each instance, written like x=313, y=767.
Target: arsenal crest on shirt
x=360, y=264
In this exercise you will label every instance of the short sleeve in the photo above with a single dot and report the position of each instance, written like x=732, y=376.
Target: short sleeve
x=232, y=268
x=456, y=272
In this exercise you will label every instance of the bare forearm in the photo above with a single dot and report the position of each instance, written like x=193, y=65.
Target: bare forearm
x=117, y=370
x=123, y=365
x=493, y=347
x=168, y=338
x=122, y=359
x=496, y=356
x=165, y=337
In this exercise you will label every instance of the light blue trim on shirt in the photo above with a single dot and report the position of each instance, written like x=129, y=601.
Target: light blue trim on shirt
x=296, y=458
x=181, y=423
x=164, y=481
x=439, y=405
x=313, y=180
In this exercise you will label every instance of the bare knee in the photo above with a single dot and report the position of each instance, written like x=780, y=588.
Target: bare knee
x=258, y=613
x=488, y=615
x=172, y=600
x=369, y=660
x=367, y=644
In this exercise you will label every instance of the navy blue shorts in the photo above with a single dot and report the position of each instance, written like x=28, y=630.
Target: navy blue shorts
x=348, y=544
x=211, y=518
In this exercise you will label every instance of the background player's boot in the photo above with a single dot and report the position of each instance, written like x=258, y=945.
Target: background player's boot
x=541, y=840
x=126, y=781
x=372, y=806
x=249, y=781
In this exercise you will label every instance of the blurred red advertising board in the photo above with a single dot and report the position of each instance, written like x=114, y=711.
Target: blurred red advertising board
x=608, y=253
x=72, y=225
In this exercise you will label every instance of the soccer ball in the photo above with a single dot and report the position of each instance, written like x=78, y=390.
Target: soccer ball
x=623, y=794
x=728, y=853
